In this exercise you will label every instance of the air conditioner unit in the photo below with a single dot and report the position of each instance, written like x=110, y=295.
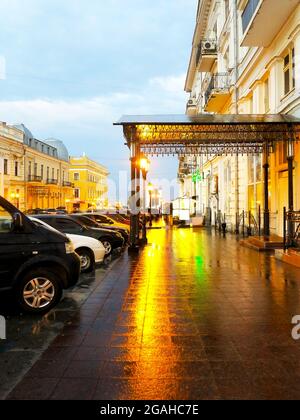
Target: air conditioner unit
x=210, y=45
x=192, y=102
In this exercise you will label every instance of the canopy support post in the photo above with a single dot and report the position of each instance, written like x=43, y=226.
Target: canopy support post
x=290, y=159
x=134, y=216
x=266, y=167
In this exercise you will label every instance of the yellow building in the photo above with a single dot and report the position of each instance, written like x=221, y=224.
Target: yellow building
x=34, y=173
x=12, y=151
x=90, y=181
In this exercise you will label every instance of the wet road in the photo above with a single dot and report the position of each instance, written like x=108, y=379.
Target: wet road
x=194, y=316
x=29, y=336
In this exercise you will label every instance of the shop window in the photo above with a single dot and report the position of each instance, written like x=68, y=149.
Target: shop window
x=5, y=167
x=282, y=153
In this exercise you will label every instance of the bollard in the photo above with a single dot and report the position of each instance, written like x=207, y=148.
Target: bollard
x=249, y=230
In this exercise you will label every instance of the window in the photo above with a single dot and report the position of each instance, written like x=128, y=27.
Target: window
x=35, y=169
x=52, y=173
x=282, y=153
x=258, y=164
x=16, y=169
x=5, y=167
x=5, y=221
x=76, y=176
x=42, y=172
x=77, y=193
x=29, y=169
x=48, y=172
x=289, y=71
x=254, y=169
x=251, y=170
x=68, y=226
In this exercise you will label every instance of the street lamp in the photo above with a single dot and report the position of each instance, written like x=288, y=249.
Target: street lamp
x=150, y=190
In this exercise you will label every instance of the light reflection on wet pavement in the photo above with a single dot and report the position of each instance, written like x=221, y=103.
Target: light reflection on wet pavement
x=194, y=316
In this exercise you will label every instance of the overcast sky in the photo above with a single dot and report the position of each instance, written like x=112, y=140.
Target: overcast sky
x=73, y=67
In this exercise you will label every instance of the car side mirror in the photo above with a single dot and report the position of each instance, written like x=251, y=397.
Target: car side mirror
x=18, y=222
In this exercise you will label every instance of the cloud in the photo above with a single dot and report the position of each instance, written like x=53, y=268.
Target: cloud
x=42, y=116
x=171, y=84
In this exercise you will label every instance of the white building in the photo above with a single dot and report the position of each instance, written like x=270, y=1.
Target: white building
x=245, y=59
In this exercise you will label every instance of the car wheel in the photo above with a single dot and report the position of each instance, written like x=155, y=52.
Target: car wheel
x=108, y=246
x=39, y=291
x=86, y=260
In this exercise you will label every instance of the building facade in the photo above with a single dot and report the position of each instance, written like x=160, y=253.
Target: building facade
x=12, y=152
x=34, y=173
x=91, y=183
x=245, y=59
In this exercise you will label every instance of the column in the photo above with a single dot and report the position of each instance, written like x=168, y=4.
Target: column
x=138, y=191
x=290, y=158
x=266, y=167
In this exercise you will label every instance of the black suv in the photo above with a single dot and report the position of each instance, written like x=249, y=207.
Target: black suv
x=89, y=221
x=36, y=263
x=111, y=240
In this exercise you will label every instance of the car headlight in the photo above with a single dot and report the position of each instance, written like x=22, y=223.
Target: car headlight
x=69, y=248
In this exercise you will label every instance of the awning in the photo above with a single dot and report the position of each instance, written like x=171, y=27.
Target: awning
x=208, y=134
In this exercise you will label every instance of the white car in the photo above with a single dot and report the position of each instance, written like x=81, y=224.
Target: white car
x=90, y=250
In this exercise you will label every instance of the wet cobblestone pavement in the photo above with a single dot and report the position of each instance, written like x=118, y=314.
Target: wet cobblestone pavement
x=194, y=316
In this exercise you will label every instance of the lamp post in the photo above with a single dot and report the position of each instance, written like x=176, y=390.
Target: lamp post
x=150, y=190
x=144, y=165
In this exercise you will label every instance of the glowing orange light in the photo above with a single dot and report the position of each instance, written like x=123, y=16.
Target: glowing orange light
x=144, y=164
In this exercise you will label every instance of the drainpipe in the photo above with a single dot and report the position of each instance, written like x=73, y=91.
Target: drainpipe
x=236, y=99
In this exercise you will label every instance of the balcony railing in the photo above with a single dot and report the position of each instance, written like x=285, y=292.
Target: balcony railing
x=68, y=184
x=34, y=178
x=249, y=13
x=52, y=181
x=219, y=82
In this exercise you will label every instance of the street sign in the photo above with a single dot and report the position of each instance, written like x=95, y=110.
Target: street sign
x=197, y=177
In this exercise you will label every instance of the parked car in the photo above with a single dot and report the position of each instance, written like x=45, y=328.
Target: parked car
x=90, y=222
x=90, y=250
x=36, y=263
x=111, y=240
x=105, y=220
x=119, y=218
x=36, y=211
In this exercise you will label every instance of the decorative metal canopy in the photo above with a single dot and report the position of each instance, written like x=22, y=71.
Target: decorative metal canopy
x=208, y=134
